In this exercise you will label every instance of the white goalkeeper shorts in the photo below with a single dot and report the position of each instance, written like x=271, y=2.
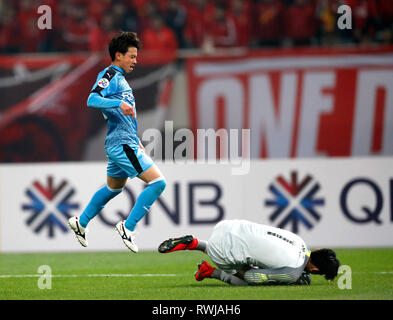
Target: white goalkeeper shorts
x=222, y=249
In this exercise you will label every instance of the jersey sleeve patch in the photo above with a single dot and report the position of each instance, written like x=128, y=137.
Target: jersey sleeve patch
x=104, y=81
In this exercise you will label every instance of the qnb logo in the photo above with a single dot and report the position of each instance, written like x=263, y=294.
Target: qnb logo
x=295, y=202
x=50, y=206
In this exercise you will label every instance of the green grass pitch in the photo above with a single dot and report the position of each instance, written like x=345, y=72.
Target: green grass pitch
x=152, y=276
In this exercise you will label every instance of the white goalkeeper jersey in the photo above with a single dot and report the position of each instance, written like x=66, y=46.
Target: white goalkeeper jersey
x=235, y=244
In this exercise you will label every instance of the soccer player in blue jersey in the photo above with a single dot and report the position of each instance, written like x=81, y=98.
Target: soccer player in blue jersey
x=112, y=95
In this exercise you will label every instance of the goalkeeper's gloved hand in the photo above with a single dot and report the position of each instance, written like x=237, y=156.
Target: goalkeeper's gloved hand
x=304, y=279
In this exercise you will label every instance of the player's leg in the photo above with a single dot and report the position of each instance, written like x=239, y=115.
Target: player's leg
x=156, y=184
x=116, y=180
x=182, y=243
x=206, y=271
x=102, y=196
x=95, y=205
x=116, y=183
x=217, y=249
x=191, y=243
x=136, y=163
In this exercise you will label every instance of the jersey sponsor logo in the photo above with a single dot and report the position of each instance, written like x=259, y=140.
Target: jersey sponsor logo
x=103, y=83
x=128, y=96
x=50, y=206
x=295, y=202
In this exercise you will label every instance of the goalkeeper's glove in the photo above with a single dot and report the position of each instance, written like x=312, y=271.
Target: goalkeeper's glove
x=304, y=279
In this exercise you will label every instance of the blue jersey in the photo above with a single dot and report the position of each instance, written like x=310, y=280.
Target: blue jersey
x=109, y=91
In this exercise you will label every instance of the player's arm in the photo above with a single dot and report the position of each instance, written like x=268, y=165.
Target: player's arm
x=95, y=100
x=284, y=275
x=103, y=88
x=255, y=276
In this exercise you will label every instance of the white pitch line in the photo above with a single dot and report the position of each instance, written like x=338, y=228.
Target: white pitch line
x=89, y=275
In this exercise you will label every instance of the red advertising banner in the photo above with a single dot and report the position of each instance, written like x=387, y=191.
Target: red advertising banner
x=298, y=103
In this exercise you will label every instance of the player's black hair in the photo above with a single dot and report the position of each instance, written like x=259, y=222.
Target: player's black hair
x=121, y=43
x=327, y=263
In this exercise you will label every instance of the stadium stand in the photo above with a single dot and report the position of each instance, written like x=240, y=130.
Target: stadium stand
x=82, y=25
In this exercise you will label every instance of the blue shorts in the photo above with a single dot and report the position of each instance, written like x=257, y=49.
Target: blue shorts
x=126, y=161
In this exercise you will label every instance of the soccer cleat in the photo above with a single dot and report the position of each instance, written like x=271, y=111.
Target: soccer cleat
x=205, y=270
x=80, y=232
x=128, y=236
x=175, y=244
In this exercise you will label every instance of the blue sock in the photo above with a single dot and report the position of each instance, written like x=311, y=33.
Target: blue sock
x=144, y=202
x=97, y=203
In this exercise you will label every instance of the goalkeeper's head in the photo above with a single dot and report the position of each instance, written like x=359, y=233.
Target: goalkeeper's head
x=324, y=262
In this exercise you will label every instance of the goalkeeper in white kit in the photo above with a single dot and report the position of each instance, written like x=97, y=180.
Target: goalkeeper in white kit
x=247, y=253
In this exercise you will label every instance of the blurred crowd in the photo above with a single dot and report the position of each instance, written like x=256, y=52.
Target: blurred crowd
x=84, y=25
